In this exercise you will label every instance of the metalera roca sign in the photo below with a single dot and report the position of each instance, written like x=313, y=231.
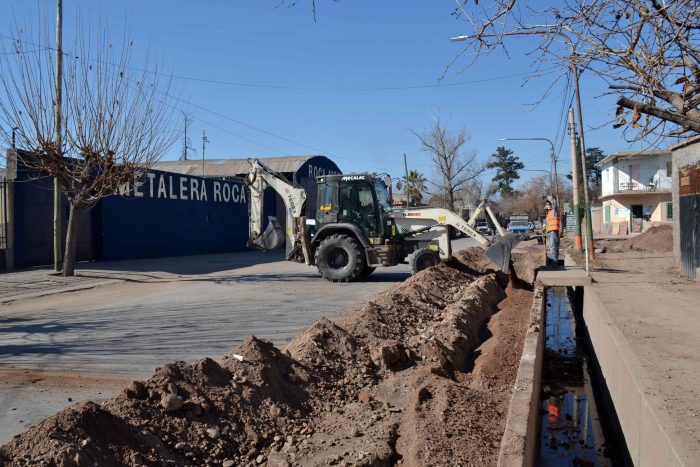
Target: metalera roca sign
x=160, y=185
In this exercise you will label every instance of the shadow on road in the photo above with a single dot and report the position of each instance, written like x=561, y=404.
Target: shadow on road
x=34, y=336
x=179, y=265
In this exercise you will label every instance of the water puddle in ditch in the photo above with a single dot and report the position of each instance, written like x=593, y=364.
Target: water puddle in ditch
x=570, y=428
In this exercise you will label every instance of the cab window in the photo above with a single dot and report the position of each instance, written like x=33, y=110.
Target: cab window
x=357, y=206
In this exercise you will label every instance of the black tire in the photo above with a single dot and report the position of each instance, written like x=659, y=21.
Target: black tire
x=423, y=258
x=340, y=258
x=367, y=271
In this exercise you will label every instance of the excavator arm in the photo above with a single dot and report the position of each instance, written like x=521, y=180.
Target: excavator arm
x=498, y=251
x=483, y=206
x=258, y=179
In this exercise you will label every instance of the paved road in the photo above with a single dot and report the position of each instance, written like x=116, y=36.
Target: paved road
x=134, y=316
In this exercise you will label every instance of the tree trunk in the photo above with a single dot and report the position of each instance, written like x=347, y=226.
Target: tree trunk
x=71, y=240
x=451, y=199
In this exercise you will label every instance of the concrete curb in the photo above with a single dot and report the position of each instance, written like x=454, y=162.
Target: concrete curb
x=646, y=426
x=519, y=442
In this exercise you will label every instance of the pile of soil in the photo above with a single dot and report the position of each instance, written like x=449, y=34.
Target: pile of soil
x=413, y=377
x=656, y=238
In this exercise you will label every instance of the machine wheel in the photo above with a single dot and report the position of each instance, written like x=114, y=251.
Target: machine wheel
x=340, y=258
x=423, y=258
x=367, y=271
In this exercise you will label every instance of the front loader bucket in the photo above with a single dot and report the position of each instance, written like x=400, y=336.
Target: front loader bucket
x=272, y=237
x=500, y=250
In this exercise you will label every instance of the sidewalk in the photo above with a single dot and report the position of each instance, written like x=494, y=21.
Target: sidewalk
x=651, y=318
x=32, y=283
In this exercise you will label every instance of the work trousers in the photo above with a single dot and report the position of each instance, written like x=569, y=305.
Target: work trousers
x=553, y=248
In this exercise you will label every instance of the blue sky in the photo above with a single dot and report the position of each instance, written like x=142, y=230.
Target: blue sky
x=354, y=45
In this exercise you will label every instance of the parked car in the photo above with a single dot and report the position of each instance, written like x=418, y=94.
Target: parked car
x=519, y=224
x=482, y=226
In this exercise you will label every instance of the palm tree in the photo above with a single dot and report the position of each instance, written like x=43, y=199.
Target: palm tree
x=415, y=185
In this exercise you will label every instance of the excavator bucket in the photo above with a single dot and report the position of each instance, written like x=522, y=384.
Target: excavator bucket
x=500, y=250
x=272, y=237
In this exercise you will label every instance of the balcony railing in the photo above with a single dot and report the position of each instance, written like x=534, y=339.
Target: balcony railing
x=634, y=187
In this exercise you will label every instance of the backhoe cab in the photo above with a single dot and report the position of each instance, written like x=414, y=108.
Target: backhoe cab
x=356, y=229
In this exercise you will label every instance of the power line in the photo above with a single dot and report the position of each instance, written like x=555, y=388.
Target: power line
x=318, y=88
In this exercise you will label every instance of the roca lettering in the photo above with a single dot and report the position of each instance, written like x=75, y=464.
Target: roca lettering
x=320, y=171
x=183, y=188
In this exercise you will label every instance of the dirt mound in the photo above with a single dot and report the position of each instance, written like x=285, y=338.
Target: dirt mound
x=389, y=382
x=656, y=238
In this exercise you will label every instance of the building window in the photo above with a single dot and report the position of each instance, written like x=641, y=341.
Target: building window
x=669, y=211
x=669, y=168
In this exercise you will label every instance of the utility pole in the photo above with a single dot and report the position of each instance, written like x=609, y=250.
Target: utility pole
x=574, y=179
x=405, y=166
x=57, y=231
x=186, y=145
x=10, y=206
x=554, y=172
x=205, y=140
x=590, y=254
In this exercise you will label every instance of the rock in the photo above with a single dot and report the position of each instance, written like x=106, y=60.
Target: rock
x=136, y=390
x=213, y=433
x=277, y=460
x=180, y=446
x=355, y=433
x=171, y=403
x=387, y=355
x=228, y=463
x=364, y=397
x=172, y=389
x=260, y=459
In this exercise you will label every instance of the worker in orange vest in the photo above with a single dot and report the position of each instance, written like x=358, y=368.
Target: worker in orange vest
x=553, y=224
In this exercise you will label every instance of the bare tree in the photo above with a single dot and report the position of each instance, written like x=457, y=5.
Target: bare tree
x=116, y=121
x=646, y=50
x=453, y=164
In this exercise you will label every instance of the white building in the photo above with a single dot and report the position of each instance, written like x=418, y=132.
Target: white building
x=636, y=186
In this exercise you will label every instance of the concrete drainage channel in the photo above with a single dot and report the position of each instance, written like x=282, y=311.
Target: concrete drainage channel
x=554, y=417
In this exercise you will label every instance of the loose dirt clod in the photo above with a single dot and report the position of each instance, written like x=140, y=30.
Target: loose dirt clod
x=407, y=377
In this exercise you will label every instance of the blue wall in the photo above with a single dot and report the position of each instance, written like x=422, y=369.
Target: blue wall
x=166, y=214
x=158, y=215
x=33, y=210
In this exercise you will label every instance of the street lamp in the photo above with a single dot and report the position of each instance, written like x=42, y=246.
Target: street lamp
x=555, y=180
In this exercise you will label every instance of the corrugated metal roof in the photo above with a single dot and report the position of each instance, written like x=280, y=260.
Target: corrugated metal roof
x=631, y=154
x=230, y=167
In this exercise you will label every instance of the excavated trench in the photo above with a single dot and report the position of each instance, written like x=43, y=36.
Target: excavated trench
x=423, y=373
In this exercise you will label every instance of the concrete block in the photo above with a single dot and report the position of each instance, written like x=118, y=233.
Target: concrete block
x=566, y=277
x=642, y=421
